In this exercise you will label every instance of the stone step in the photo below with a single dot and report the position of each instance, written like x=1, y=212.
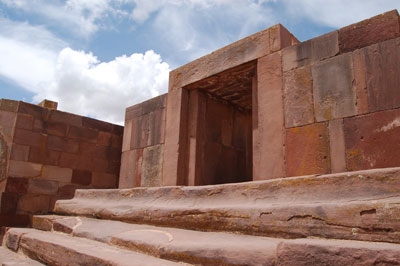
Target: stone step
x=10, y=258
x=60, y=249
x=361, y=205
x=217, y=248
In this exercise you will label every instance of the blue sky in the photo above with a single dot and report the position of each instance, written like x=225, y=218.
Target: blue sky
x=97, y=57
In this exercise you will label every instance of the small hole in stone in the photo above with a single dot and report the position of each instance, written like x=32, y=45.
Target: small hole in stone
x=362, y=138
x=325, y=157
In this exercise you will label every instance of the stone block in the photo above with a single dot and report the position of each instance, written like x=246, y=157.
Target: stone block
x=109, y=139
x=37, y=125
x=268, y=159
x=383, y=75
x=19, y=152
x=104, y=180
x=126, y=143
x=372, y=141
x=280, y=37
x=84, y=134
x=14, y=220
x=152, y=166
x=140, y=132
x=43, y=155
x=360, y=81
x=7, y=119
x=48, y=104
x=9, y=105
x=24, y=169
x=337, y=146
x=370, y=31
x=30, y=109
x=69, y=160
x=33, y=204
x=296, y=56
x=67, y=191
x=127, y=172
x=62, y=144
x=298, y=87
x=54, y=173
x=118, y=130
x=17, y=185
x=43, y=187
x=55, y=129
x=65, y=118
x=175, y=138
x=24, y=121
x=8, y=202
x=27, y=137
x=307, y=150
x=97, y=124
x=325, y=46
x=81, y=177
x=334, y=96
x=156, y=127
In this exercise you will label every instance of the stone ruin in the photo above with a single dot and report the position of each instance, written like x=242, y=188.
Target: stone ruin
x=268, y=151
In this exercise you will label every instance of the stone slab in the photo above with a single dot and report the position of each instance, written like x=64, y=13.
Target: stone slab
x=354, y=205
x=298, y=90
x=10, y=258
x=370, y=31
x=307, y=150
x=333, y=92
x=372, y=140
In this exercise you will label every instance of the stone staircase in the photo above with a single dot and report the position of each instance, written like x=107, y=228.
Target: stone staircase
x=338, y=219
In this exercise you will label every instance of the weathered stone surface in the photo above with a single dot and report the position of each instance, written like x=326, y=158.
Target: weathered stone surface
x=54, y=173
x=383, y=75
x=7, y=119
x=19, y=152
x=97, y=124
x=83, y=133
x=24, y=121
x=237, y=53
x=373, y=30
x=31, y=203
x=104, y=180
x=353, y=205
x=126, y=143
x=57, y=249
x=304, y=252
x=372, y=140
x=65, y=118
x=82, y=177
x=43, y=187
x=62, y=144
x=8, y=203
x=299, y=108
x=360, y=81
x=10, y=258
x=140, y=132
x=310, y=51
x=48, y=104
x=307, y=150
x=334, y=96
x=9, y=105
x=337, y=146
x=24, y=169
x=146, y=107
x=127, y=172
x=268, y=157
x=152, y=166
x=43, y=155
x=27, y=137
x=55, y=129
x=17, y=185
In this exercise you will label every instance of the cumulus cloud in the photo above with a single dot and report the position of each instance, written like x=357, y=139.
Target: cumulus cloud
x=86, y=86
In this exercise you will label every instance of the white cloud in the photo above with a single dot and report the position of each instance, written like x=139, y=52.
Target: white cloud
x=103, y=90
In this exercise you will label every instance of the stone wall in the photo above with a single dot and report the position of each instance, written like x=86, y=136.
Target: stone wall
x=143, y=144
x=340, y=102
x=50, y=154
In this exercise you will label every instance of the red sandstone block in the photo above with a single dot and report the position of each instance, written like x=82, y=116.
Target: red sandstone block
x=56, y=129
x=307, y=150
x=19, y=152
x=156, y=127
x=37, y=125
x=85, y=134
x=64, y=118
x=299, y=108
x=24, y=121
x=17, y=185
x=337, y=146
x=140, y=132
x=269, y=155
x=97, y=124
x=116, y=141
x=130, y=174
x=152, y=166
x=62, y=144
x=43, y=187
x=14, y=220
x=67, y=191
x=7, y=119
x=69, y=160
x=126, y=144
x=9, y=105
x=30, y=109
x=383, y=75
x=372, y=141
x=30, y=138
x=24, y=169
x=104, y=180
x=118, y=130
x=334, y=96
x=43, y=155
x=33, y=204
x=114, y=167
x=92, y=164
x=81, y=177
x=376, y=29
x=8, y=203
x=109, y=139
x=55, y=173
x=280, y=37
x=360, y=81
